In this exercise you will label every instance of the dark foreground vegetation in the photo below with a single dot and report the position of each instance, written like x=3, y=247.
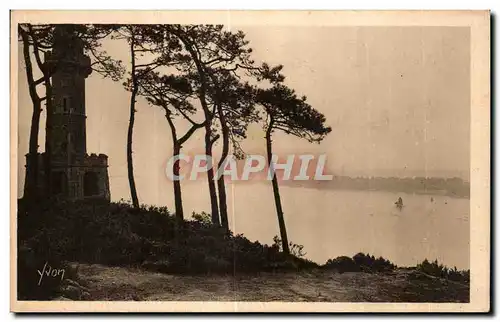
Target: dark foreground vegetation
x=117, y=238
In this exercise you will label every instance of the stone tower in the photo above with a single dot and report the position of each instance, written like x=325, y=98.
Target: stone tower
x=74, y=174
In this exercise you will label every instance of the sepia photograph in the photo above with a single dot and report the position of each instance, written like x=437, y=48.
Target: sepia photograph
x=250, y=161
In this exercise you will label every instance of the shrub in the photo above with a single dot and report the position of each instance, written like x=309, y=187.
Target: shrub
x=359, y=263
x=203, y=218
x=342, y=264
x=439, y=270
x=295, y=249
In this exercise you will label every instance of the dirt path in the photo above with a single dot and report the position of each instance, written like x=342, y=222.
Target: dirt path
x=118, y=283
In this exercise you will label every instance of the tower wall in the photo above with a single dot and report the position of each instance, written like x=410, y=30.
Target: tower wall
x=74, y=174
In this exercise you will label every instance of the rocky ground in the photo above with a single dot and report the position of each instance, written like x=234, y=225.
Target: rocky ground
x=102, y=283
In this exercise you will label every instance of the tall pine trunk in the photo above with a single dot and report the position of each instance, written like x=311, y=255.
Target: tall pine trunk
x=48, y=134
x=221, y=185
x=31, y=184
x=210, y=176
x=130, y=164
x=276, y=192
x=179, y=212
x=208, y=118
x=47, y=72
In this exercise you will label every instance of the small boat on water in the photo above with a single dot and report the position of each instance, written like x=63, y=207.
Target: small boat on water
x=399, y=203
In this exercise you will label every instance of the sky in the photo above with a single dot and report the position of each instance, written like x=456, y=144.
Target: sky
x=397, y=100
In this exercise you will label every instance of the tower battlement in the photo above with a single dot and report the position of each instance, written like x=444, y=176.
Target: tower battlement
x=96, y=160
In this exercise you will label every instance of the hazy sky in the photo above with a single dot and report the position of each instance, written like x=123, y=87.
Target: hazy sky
x=397, y=99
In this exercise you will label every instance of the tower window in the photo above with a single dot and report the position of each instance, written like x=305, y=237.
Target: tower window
x=90, y=184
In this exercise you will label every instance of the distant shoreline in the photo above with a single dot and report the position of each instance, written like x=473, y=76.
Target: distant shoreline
x=449, y=187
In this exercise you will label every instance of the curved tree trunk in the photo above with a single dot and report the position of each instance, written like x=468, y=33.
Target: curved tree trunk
x=130, y=165
x=179, y=212
x=221, y=185
x=49, y=113
x=177, y=145
x=31, y=183
x=276, y=191
x=48, y=135
x=210, y=177
x=208, y=118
